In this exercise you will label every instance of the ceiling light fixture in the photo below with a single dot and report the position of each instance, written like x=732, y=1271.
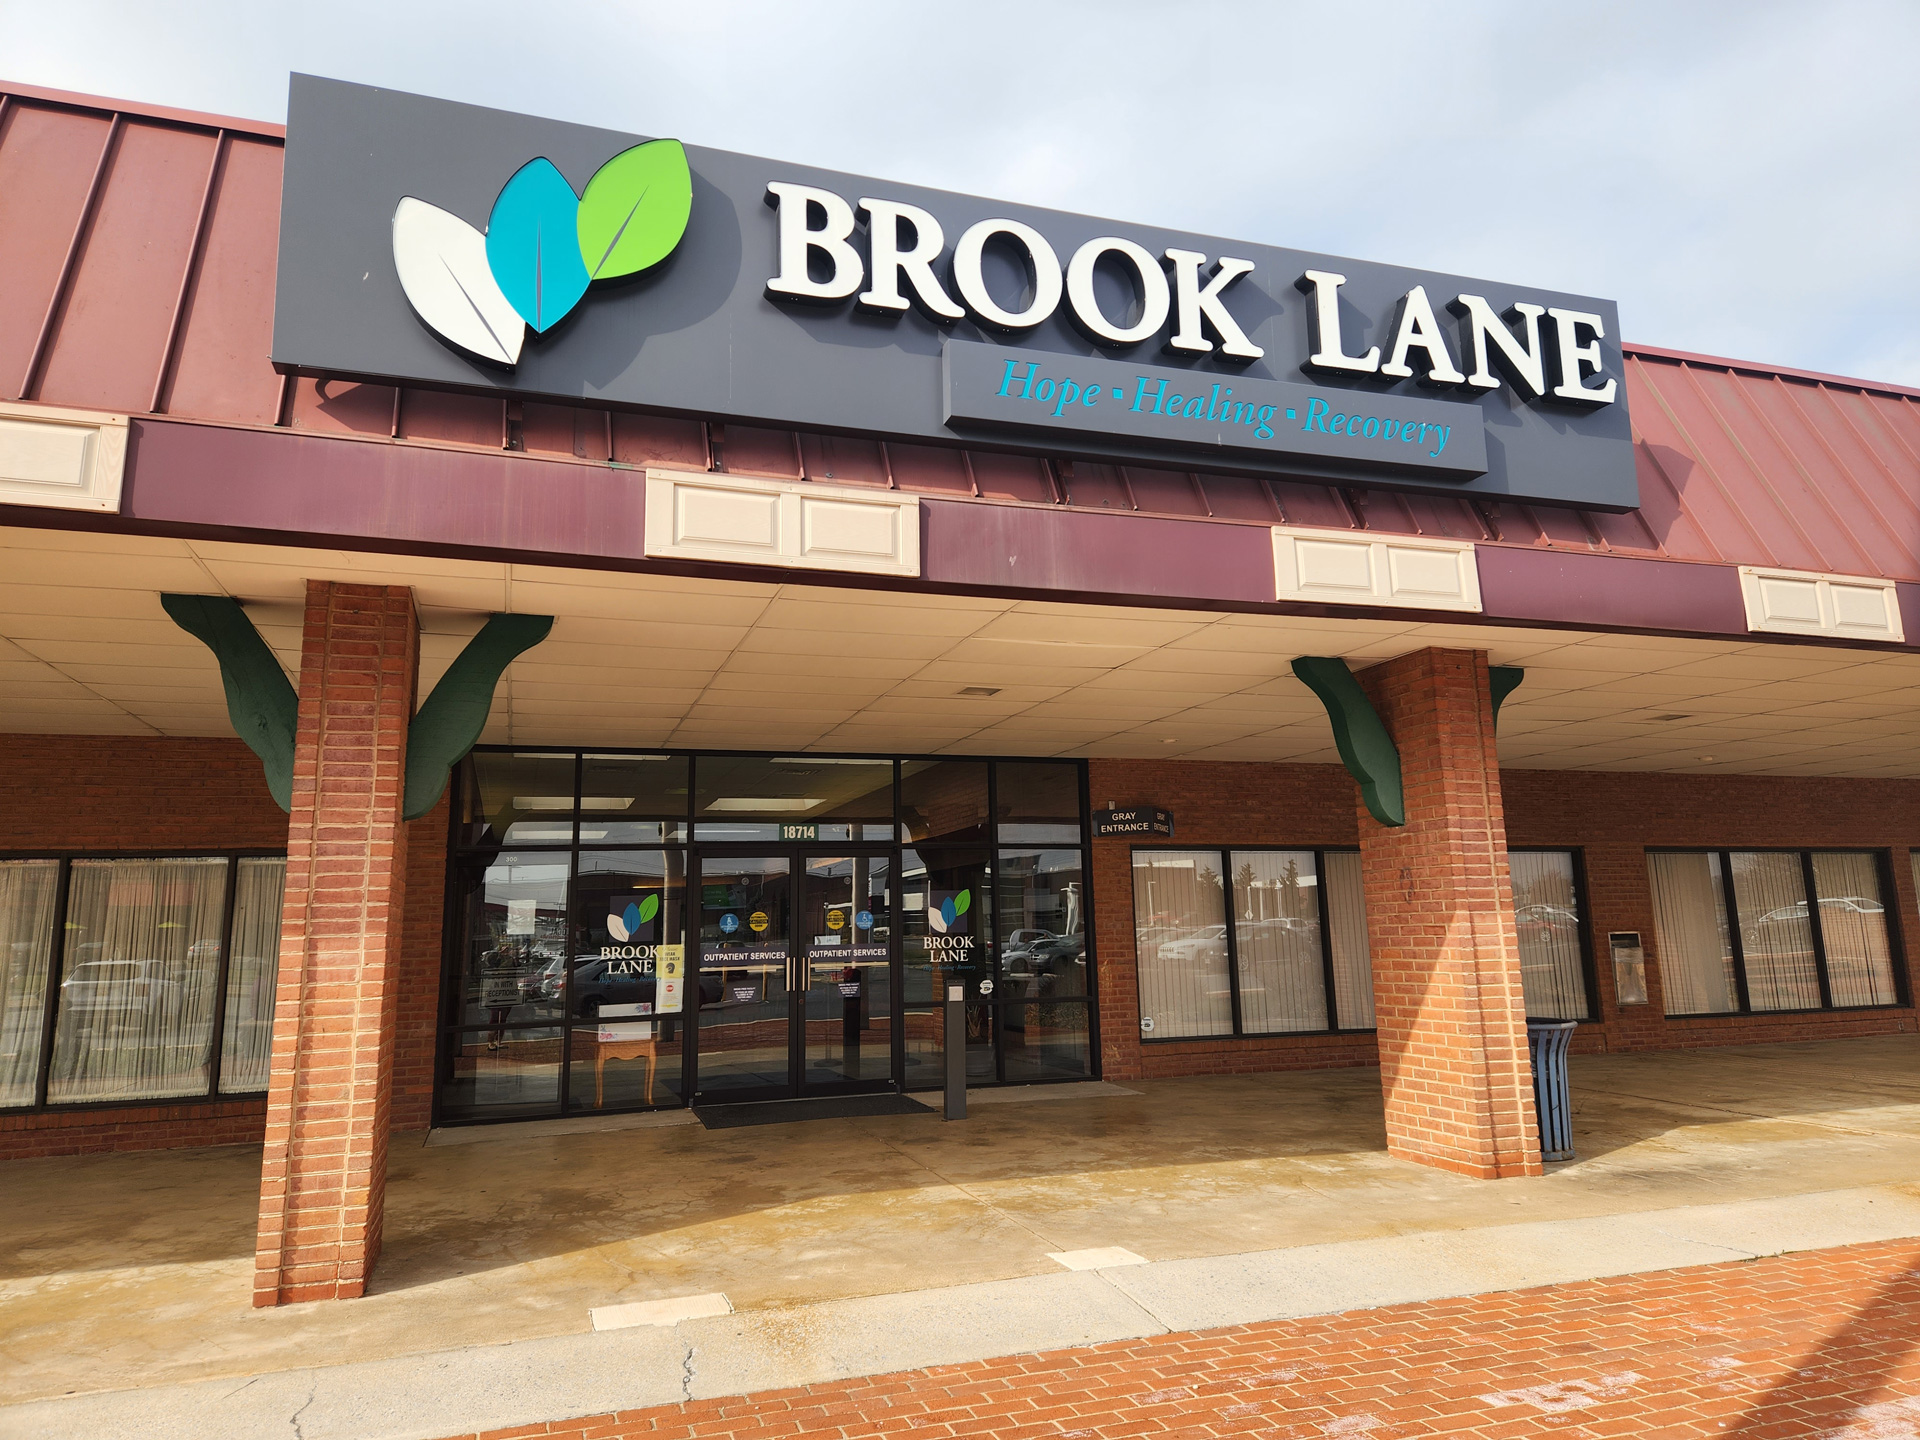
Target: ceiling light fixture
x=765, y=804
x=981, y=690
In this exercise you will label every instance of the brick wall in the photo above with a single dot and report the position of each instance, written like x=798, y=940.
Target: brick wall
x=1610, y=816
x=99, y=793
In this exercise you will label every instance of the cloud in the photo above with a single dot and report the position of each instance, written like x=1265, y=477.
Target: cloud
x=1736, y=175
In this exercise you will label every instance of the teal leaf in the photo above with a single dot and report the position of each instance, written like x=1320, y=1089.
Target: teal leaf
x=533, y=245
x=635, y=209
x=649, y=908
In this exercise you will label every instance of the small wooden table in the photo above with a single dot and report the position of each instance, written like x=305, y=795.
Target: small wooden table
x=605, y=1050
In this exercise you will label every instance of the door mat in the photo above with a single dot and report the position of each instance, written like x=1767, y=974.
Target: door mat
x=781, y=1112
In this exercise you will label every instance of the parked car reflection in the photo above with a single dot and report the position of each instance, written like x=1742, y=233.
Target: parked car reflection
x=599, y=982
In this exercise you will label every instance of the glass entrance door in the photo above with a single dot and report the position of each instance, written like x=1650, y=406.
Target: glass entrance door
x=846, y=923
x=746, y=947
x=795, y=975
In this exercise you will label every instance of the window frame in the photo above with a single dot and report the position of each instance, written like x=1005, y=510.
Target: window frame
x=56, y=970
x=1896, y=944
x=1239, y=1032
x=1589, y=977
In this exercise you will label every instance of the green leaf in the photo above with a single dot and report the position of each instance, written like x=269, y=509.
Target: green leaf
x=963, y=902
x=649, y=908
x=635, y=209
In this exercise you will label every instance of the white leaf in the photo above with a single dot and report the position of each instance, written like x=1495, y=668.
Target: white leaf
x=442, y=263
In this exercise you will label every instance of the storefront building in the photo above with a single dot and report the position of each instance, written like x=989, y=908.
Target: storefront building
x=445, y=683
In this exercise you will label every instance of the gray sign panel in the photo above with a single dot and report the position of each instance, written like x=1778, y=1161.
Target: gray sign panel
x=698, y=334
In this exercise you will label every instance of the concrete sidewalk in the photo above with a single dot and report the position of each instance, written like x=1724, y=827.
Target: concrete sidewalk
x=490, y=1387
x=124, y=1278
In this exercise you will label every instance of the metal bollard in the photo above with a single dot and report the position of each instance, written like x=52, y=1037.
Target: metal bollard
x=956, y=1108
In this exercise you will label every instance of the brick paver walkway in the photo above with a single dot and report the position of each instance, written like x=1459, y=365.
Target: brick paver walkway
x=1823, y=1343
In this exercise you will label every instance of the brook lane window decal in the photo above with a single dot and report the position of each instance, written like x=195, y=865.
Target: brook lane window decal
x=542, y=249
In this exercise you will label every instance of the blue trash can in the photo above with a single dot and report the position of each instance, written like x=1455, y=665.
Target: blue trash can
x=1547, y=1040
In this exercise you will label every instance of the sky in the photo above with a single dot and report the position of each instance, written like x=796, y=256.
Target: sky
x=1741, y=177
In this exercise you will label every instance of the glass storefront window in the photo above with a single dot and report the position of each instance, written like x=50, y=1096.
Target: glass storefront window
x=1180, y=944
x=1046, y=1042
x=1276, y=919
x=1041, y=915
x=1776, y=931
x=1781, y=951
x=513, y=943
x=1853, y=922
x=517, y=798
x=492, y=1074
x=628, y=799
x=28, y=893
x=1546, y=918
x=1242, y=942
x=944, y=802
x=627, y=985
x=751, y=797
x=139, y=979
x=945, y=918
x=554, y=849
x=1039, y=802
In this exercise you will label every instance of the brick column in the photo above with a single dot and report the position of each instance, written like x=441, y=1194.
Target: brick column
x=323, y=1181
x=1446, y=960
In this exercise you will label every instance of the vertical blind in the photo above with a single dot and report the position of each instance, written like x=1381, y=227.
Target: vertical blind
x=1778, y=936
x=27, y=891
x=1690, y=928
x=143, y=946
x=1347, y=938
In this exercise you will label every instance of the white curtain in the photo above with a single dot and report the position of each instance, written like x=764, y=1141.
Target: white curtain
x=252, y=972
x=27, y=890
x=1547, y=916
x=1180, y=944
x=1276, y=913
x=1853, y=924
x=1347, y=934
x=1776, y=933
x=1695, y=953
x=138, y=979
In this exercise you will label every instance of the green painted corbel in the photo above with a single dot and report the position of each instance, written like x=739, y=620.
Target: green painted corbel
x=1503, y=680
x=260, y=702
x=444, y=729
x=1367, y=750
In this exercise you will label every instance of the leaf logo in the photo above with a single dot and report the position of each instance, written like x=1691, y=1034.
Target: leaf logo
x=625, y=924
x=542, y=248
x=946, y=917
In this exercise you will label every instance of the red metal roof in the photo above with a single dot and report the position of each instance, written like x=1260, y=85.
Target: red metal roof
x=138, y=246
